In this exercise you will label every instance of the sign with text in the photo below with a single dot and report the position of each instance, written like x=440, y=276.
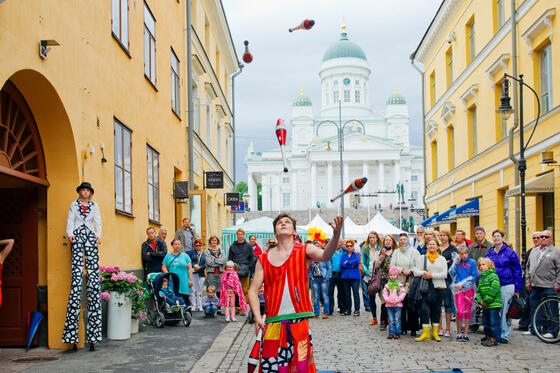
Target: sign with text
x=214, y=179
x=232, y=199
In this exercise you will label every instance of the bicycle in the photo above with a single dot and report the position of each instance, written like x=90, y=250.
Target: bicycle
x=546, y=319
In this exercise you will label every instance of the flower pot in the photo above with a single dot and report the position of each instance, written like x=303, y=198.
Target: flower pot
x=134, y=326
x=118, y=323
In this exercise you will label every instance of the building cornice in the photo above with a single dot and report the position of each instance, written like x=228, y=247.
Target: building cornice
x=544, y=21
x=499, y=64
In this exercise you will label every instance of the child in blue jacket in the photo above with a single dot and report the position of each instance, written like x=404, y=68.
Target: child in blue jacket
x=464, y=273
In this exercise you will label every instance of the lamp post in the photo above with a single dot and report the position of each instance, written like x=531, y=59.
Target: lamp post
x=340, y=131
x=505, y=110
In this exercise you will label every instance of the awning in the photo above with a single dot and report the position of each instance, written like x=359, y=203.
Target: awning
x=467, y=210
x=535, y=186
x=446, y=217
x=427, y=222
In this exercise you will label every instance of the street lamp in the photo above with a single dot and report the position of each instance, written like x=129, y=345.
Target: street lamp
x=340, y=131
x=505, y=110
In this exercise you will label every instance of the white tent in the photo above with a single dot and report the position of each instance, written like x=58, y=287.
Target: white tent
x=353, y=230
x=380, y=225
x=319, y=223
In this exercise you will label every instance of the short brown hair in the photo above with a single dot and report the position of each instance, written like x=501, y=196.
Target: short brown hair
x=212, y=237
x=447, y=233
x=252, y=235
x=500, y=232
x=240, y=230
x=281, y=216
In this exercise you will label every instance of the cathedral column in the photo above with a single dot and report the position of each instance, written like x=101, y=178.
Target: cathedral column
x=293, y=198
x=346, y=179
x=365, y=190
x=381, y=180
x=329, y=181
x=252, y=190
x=265, y=190
x=313, y=184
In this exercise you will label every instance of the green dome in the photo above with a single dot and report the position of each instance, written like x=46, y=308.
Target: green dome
x=396, y=99
x=302, y=100
x=344, y=48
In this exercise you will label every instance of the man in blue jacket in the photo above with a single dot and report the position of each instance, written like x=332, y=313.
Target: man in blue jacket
x=336, y=281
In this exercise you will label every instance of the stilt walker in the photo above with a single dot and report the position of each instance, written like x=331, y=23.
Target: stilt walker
x=83, y=228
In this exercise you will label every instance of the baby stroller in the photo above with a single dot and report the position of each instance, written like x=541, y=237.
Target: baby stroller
x=163, y=313
x=476, y=322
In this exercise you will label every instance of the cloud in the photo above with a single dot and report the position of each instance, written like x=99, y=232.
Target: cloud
x=387, y=30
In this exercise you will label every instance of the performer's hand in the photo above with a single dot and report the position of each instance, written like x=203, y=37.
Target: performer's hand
x=71, y=239
x=259, y=325
x=336, y=225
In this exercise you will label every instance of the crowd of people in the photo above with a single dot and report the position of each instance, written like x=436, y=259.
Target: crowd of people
x=411, y=287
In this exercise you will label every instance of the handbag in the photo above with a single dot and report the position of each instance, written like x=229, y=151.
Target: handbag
x=317, y=274
x=516, y=306
x=374, y=285
x=426, y=285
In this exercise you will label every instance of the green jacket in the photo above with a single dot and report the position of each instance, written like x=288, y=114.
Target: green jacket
x=489, y=290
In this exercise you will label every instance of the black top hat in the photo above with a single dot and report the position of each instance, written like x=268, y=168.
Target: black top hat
x=85, y=185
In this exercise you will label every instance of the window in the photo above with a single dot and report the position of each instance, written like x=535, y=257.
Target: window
x=472, y=132
x=149, y=45
x=335, y=83
x=346, y=95
x=414, y=196
x=335, y=97
x=500, y=13
x=471, y=51
x=449, y=58
x=196, y=104
x=545, y=76
x=175, y=89
x=434, y=160
x=119, y=21
x=208, y=122
x=450, y=148
x=357, y=97
x=286, y=180
x=123, y=168
x=432, y=88
x=286, y=200
x=357, y=82
x=226, y=163
x=414, y=178
x=153, y=184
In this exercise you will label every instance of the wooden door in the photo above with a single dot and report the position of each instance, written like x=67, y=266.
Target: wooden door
x=18, y=220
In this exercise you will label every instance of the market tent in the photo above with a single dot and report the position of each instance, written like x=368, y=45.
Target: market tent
x=260, y=227
x=353, y=230
x=380, y=225
x=319, y=223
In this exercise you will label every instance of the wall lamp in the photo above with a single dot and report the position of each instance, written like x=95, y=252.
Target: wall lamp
x=44, y=47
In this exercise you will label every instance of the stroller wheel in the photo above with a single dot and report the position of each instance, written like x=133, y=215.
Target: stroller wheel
x=187, y=317
x=160, y=320
x=250, y=317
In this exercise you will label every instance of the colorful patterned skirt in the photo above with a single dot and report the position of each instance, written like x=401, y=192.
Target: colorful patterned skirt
x=286, y=347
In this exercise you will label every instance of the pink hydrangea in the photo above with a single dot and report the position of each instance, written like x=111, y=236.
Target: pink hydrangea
x=114, y=277
x=131, y=278
x=105, y=296
x=103, y=269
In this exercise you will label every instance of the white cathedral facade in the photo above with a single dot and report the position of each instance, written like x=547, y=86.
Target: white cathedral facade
x=383, y=153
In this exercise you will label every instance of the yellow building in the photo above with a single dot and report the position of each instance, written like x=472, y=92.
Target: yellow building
x=465, y=52
x=100, y=95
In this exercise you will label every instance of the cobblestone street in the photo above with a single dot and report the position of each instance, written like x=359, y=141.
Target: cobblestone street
x=349, y=344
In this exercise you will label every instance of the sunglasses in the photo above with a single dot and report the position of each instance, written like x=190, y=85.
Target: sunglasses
x=545, y=236
x=272, y=243
x=349, y=245
x=198, y=244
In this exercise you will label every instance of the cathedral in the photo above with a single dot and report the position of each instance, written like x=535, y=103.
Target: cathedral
x=376, y=147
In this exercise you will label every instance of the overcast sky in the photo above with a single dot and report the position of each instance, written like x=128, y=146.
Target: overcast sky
x=387, y=30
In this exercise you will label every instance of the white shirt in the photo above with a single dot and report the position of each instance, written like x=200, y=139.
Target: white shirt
x=92, y=219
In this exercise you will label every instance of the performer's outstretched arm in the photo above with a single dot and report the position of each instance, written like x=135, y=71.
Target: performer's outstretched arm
x=319, y=255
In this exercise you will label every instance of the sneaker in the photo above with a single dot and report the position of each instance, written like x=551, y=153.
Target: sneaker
x=200, y=309
x=228, y=319
x=526, y=333
x=390, y=336
x=465, y=338
x=447, y=333
x=234, y=319
x=440, y=332
x=504, y=341
x=548, y=335
x=459, y=337
x=325, y=316
x=373, y=322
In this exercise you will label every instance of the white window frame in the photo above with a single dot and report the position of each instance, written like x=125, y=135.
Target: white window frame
x=357, y=96
x=346, y=95
x=175, y=84
x=500, y=13
x=545, y=78
x=286, y=200
x=335, y=97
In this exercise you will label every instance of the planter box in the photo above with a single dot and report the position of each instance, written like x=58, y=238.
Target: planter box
x=119, y=316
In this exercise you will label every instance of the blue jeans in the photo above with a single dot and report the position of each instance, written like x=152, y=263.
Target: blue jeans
x=321, y=290
x=209, y=310
x=491, y=322
x=505, y=327
x=536, y=295
x=352, y=287
x=365, y=294
x=394, y=314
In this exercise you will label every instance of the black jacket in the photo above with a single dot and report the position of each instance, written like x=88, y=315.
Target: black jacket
x=152, y=262
x=194, y=255
x=242, y=254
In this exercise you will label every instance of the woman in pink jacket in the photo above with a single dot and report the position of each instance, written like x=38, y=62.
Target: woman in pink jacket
x=393, y=294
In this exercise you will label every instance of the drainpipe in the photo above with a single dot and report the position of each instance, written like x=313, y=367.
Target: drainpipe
x=412, y=56
x=241, y=66
x=515, y=118
x=188, y=59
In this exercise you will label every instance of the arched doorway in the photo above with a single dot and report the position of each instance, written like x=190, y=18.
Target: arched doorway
x=22, y=178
